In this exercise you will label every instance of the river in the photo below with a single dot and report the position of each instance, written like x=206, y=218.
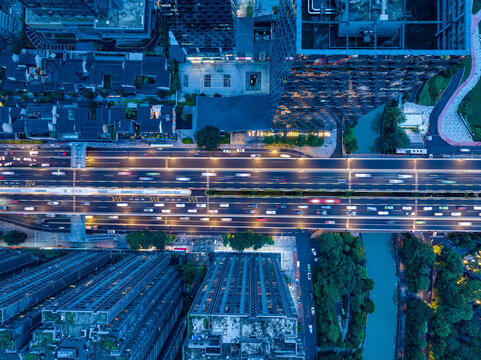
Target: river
x=382, y=323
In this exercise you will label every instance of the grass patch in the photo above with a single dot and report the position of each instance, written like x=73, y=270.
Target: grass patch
x=187, y=140
x=470, y=109
x=22, y=142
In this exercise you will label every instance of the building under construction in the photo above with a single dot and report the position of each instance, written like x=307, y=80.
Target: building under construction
x=129, y=310
x=244, y=310
x=352, y=56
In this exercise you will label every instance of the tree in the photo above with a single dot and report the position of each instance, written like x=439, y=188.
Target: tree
x=147, y=239
x=350, y=141
x=246, y=240
x=88, y=94
x=189, y=272
x=208, y=137
x=14, y=237
x=368, y=306
x=419, y=259
x=394, y=136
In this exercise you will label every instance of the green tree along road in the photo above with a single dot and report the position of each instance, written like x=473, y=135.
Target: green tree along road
x=246, y=240
x=14, y=237
x=419, y=259
x=349, y=139
x=418, y=313
x=208, y=137
x=340, y=288
x=148, y=239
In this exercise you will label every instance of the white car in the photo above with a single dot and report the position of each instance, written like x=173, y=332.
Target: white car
x=213, y=211
x=58, y=173
x=314, y=252
x=166, y=211
x=404, y=176
x=185, y=218
x=464, y=223
x=395, y=181
x=241, y=150
x=271, y=212
x=477, y=208
x=456, y=214
x=180, y=205
x=226, y=219
x=111, y=232
x=407, y=207
x=204, y=219
x=207, y=174
x=149, y=210
x=191, y=210
x=224, y=205
x=285, y=155
x=122, y=204
x=45, y=164
x=227, y=151
x=309, y=276
x=383, y=213
x=243, y=174
x=29, y=208
x=8, y=172
x=313, y=311
x=159, y=205
x=53, y=203
x=351, y=207
x=310, y=328
x=438, y=214
x=362, y=175
x=146, y=178
x=254, y=155
x=183, y=179
x=427, y=208
x=201, y=205
x=302, y=206
x=113, y=217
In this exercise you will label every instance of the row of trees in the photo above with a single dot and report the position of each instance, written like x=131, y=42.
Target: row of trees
x=312, y=140
x=469, y=241
x=247, y=240
x=148, y=239
x=341, y=278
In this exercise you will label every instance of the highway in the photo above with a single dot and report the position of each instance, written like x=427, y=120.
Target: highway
x=36, y=191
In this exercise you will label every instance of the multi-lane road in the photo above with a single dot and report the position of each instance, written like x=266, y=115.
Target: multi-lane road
x=405, y=194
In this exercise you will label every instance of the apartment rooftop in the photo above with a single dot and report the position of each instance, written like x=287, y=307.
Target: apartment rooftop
x=244, y=285
x=389, y=27
x=24, y=290
x=106, y=294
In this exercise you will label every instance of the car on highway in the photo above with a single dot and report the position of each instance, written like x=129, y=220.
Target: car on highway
x=58, y=173
x=201, y=205
x=13, y=201
x=159, y=204
x=149, y=210
x=410, y=213
x=309, y=267
x=226, y=219
x=249, y=211
x=227, y=150
x=208, y=174
x=180, y=205
x=192, y=210
x=45, y=165
x=351, y=207
x=395, y=181
x=4, y=207
x=122, y=204
x=8, y=173
x=213, y=211
x=302, y=207
x=448, y=182
x=464, y=223
x=281, y=206
x=420, y=222
x=407, y=208
x=427, y=208
x=261, y=219
x=243, y=174
x=29, y=208
x=477, y=208
x=165, y=211
x=321, y=212
x=456, y=214
x=443, y=208
x=383, y=213
x=461, y=208
x=407, y=176
x=85, y=202
x=53, y=203
x=330, y=201
x=329, y=222
x=224, y=205
x=362, y=175
x=110, y=231
x=299, y=300
x=313, y=251
x=114, y=217
x=310, y=328
x=204, y=219
x=254, y=155
x=124, y=173
x=438, y=214
x=252, y=206
x=388, y=207
x=241, y=150
x=371, y=208
x=313, y=311
x=285, y=156
x=183, y=179
x=184, y=218
x=309, y=276
x=327, y=207
x=298, y=212
x=271, y=212
x=350, y=213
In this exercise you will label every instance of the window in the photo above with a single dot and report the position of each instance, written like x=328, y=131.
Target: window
x=227, y=81
x=186, y=80
x=207, y=80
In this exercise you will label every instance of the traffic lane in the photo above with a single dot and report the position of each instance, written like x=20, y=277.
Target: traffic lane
x=449, y=164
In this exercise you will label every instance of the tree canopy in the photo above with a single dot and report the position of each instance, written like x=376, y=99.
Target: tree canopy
x=14, y=237
x=247, y=240
x=418, y=258
x=311, y=140
x=350, y=141
x=208, y=137
x=148, y=239
x=393, y=136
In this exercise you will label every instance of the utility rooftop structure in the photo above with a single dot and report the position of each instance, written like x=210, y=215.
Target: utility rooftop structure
x=243, y=310
x=27, y=289
x=384, y=26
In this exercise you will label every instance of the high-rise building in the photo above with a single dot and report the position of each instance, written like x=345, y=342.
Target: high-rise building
x=68, y=7
x=352, y=56
x=203, y=24
x=243, y=311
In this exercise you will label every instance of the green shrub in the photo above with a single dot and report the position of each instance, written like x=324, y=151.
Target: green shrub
x=187, y=140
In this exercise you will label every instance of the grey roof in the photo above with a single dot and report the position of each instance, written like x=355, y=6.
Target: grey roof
x=237, y=113
x=89, y=128
x=67, y=120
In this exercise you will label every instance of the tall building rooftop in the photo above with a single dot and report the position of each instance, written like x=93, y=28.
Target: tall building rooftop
x=24, y=290
x=389, y=27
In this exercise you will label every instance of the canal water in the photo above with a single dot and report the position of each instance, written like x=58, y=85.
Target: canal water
x=367, y=130
x=382, y=323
